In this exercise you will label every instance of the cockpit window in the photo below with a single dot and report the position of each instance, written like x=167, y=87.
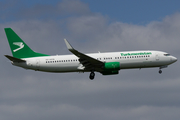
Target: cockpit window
x=166, y=54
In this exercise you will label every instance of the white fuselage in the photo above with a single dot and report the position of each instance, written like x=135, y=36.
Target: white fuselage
x=70, y=63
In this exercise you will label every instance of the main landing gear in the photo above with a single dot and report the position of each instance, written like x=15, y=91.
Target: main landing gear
x=92, y=75
x=160, y=71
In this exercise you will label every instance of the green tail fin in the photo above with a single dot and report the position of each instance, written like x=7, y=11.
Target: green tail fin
x=18, y=47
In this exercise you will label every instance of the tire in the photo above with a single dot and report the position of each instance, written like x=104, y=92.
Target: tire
x=160, y=71
x=91, y=76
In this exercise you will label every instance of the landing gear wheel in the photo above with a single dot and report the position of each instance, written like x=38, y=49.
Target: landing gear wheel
x=91, y=76
x=160, y=71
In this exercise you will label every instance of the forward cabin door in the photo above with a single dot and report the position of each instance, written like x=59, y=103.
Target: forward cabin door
x=157, y=57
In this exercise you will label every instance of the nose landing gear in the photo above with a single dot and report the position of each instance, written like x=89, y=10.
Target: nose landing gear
x=160, y=71
x=92, y=75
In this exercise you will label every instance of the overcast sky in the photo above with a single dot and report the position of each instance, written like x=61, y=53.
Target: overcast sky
x=91, y=26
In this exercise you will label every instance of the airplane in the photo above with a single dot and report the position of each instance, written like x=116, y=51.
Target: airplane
x=105, y=63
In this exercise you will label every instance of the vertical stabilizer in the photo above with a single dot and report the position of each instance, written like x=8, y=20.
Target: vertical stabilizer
x=18, y=47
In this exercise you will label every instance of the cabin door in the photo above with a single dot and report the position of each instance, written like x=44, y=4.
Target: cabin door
x=157, y=57
x=37, y=64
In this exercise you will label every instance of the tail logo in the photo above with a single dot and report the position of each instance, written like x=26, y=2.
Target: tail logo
x=20, y=44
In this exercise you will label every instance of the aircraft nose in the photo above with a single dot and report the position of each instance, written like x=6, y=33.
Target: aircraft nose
x=174, y=59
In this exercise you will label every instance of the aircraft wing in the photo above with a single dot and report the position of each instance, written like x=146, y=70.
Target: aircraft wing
x=88, y=62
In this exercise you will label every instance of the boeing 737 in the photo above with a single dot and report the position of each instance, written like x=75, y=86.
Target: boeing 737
x=105, y=63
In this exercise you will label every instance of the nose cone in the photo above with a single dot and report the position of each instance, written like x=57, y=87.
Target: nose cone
x=174, y=59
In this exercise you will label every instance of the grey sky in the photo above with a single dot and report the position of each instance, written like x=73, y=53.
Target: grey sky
x=133, y=94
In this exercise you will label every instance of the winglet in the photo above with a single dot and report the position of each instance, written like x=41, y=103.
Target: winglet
x=68, y=45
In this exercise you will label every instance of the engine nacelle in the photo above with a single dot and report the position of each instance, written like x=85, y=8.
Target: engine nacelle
x=110, y=72
x=111, y=66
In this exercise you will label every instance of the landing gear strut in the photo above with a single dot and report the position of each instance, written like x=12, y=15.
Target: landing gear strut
x=91, y=76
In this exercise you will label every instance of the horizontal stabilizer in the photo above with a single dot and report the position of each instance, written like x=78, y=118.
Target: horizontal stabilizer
x=13, y=59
